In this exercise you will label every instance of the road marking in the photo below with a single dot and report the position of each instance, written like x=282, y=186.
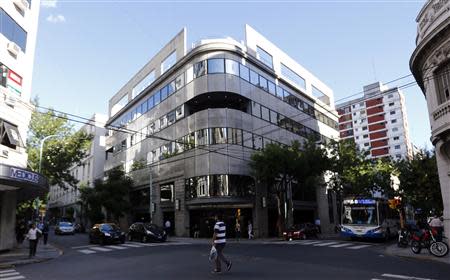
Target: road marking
x=309, y=242
x=132, y=245
x=396, y=276
x=9, y=274
x=325, y=244
x=358, y=247
x=13, y=278
x=81, y=247
x=342, y=245
x=101, y=249
x=117, y=247
x=86, y=251
x=7, y=271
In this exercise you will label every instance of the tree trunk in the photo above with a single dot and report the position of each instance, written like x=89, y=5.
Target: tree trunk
x=280, y=220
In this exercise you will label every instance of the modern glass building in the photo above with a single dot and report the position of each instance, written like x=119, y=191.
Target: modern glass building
x=194, y=116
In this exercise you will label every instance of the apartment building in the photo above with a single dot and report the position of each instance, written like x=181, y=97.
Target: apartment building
x=377, y=122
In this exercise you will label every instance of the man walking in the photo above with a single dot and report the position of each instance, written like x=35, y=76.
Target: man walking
x=45, y=230
x=33, y=238
x=219, y=241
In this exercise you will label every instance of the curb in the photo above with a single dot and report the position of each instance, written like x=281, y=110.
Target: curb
x=428, y=258
x=13, y=264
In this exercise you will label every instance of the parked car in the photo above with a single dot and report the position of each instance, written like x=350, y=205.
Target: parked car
x=301, y=231
x=146, y=232
x=64, y=228
x=106, y=234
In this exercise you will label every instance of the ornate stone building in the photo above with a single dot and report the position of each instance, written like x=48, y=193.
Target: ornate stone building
x=430, y=64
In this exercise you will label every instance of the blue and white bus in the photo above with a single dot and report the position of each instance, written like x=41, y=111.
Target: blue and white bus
x=368, y=218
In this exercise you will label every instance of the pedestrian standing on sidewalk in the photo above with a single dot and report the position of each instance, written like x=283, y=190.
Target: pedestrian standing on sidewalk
x=219, y=241
x=167, y=225
x=45, y=231
x=238, y=230
x=317, y=223
x=33, y=238
x=437, y=224
x=250, y=230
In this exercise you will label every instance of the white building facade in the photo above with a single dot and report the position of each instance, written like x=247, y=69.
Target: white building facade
x=430, y=65
x=90, y=169
x=18, y=28
x=377, y=122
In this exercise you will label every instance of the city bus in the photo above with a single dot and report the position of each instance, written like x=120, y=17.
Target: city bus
x=368, y=218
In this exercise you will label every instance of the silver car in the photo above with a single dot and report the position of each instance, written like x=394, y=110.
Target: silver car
x=64, y=228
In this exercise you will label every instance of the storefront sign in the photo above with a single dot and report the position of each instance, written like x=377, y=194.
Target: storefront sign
x=24, y=175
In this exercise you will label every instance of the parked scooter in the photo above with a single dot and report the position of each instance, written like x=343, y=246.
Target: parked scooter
x=426, y=238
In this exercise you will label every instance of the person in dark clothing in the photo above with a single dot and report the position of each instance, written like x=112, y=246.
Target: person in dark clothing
x=45, y=231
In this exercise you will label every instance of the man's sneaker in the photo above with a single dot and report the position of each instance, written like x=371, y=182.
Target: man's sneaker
x=229, y=266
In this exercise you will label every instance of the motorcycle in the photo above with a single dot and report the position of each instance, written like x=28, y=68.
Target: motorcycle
x=404, y=237
x=427, y=239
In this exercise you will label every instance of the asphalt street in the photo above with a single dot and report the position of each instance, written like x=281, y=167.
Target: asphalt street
x=310, y=259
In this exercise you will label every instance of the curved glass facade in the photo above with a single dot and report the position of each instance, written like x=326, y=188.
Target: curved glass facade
x=219, y=186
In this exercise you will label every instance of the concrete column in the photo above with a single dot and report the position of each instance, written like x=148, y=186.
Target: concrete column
x=8, y=201
x=322, y=209
x=260, y=214
x=443, y=164
x=182, y=223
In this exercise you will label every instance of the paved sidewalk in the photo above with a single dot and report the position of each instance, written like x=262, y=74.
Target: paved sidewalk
x=407, y=253
x=19, y=255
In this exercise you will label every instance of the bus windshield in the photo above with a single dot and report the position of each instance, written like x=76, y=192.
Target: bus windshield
x=360, y=215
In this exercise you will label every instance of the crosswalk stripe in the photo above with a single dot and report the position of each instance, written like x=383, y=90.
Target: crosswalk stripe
x=86, y=251
x=396, y=276
x=342, y=245
x=9, y=274
x=14, y=277
x=7, y=271
x=117, y=247
x=309, y=242
x=132, y=245
x=101, y=249
x=325, y=244
x=358, y=247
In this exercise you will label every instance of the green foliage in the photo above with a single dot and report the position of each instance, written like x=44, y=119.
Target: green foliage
x=354, y=174
x=139, y=164
x=419, y=182
x=111, y=194
x=60, y=153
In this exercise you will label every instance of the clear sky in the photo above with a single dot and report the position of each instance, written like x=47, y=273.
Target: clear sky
x=88, y=49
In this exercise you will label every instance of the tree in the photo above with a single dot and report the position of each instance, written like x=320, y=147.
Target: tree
x=60, y=153
x=279, y=166
x=353, y=173
x=111, y=194
x=419, y=182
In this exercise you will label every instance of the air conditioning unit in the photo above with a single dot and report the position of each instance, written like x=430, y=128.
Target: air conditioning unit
x=23, y=5
x=13, y=48
x=4, y=153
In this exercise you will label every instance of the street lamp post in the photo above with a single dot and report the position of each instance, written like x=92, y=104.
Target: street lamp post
x=40, y=150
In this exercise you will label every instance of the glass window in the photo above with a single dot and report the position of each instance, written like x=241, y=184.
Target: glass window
x=232, y=67
x=168, y=62
x=218, y=135
x=189, y=74
x=150, y=102
x=164, y=93
x=234, y=136
x=397, y=147
x=254, y=78
x=248, y=139
x=256, y=109
x=392, y=112
x=280, y=92
x=272, y=88
x=244, y=72
x=171, y=118
x=12, y=31
x=144, y=107
x=395, y=129
x=442, y=82
x=317, y=92
x=180, y=112
x=166, y=192
x=365, y=136
x=163, y=121
x=199, y=69
x=292, y=76
x=143, y=84
x=257, y=142
x=179, y=81
x=201, y=137
x=216, y=65
x=391, y=104
x=265, y=113
x=171, y=87
x=263, y=83
x=157, y=97
x=396, y=138
x=393, y=121
x=264, y=56
x=273, y=117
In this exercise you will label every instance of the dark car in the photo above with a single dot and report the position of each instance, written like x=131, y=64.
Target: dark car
x=146, y=232
x=106, y=234
x=301, y=231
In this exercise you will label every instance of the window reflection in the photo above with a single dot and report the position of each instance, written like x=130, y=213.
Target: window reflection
x=216, y=65
x=220, y=185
